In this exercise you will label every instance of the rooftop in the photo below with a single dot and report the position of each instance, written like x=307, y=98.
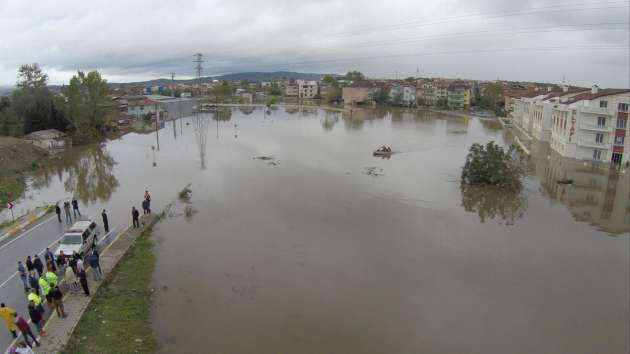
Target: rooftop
x=600, y=93
x=45, y=135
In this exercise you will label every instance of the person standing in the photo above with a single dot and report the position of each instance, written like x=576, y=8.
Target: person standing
x=36, y=317
x=145, y=207
x=57, y=297
x=32, y=281
x=29, y=264
x=66, y=209
x=34, y=298
x=84, y=282
x=147, y=197
x=23, y=326
x=45, y=288
x=7, y=315
x=50, y=260
x=105, y=221
x=135, y=215
x=75, y=207
x=96, y=269
x=58, y=211
x=71, y=279
x=23, y=276
x=51, y=278
x=61, y=260
x=39, y=266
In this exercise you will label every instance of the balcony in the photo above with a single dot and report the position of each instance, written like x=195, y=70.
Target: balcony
x=595, y=110
x=596, y=127
x=605, y=145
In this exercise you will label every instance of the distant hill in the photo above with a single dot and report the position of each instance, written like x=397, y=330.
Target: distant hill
x=249, y=76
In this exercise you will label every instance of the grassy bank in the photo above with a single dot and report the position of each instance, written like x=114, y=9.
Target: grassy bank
x=117, y=319
x=11, y=184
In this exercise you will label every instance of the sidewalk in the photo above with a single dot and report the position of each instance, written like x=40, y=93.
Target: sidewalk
x=59, y=330
x=24, y=221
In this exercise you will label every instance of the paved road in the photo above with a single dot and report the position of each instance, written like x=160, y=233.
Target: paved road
x=44, y=233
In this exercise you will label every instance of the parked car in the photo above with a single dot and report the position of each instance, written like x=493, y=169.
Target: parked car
x=80, y=238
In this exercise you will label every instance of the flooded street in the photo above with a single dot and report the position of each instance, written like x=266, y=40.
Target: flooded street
x=321, y=247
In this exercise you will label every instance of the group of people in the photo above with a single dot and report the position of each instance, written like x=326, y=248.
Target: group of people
x=66, y=209
x=41, y=280
x=146, y=207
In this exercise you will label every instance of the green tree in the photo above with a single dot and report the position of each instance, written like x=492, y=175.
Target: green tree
x=382, y=96
x=33, y=106
x=31, y=75
x=9, y=122
x=330, y=80
x=87, y=105
x=355, y=76
x=492, y=165
x=410, y=79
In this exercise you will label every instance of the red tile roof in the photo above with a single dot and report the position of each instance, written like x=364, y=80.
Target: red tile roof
x=600, y=93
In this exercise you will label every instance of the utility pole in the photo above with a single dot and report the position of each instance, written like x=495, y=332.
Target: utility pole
x=198, y=68
x=173, y=84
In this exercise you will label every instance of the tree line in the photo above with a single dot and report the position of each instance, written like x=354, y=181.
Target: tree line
x=81, y=109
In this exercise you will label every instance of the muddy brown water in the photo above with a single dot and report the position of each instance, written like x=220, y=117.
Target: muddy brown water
x=328, y=249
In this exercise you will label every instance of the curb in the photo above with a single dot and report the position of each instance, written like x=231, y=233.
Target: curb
x=30, y=219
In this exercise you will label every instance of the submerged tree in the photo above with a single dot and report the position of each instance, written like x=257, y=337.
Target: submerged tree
x=491, y=202
x=87, y=104
x=492, y=165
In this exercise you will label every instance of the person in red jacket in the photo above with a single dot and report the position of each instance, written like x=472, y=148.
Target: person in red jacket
x=23, y=326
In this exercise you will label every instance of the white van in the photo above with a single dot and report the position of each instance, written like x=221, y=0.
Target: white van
x=80, y=238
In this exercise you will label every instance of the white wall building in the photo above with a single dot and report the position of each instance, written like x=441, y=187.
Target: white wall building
x=593, y=126
x=307, y=89
x=407, y=94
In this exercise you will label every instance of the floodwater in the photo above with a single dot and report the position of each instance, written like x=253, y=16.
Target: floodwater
x=326, y=249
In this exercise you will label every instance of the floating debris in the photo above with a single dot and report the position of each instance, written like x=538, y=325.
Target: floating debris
x=265, y=158
x=273, y=163
x=373, y=171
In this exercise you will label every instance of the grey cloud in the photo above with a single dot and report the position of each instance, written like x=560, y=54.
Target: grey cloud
x=143, y=39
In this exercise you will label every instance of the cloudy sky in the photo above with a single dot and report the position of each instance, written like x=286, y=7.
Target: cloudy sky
x=585, y=41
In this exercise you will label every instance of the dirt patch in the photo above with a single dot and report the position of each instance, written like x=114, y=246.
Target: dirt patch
x=18, y=154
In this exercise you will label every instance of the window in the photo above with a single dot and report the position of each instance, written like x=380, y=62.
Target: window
x=603, y=104
x=599, y=138
x=597, y=154
x=623, y=107
x=601, y=122
x=621, y=123
x=619, y=140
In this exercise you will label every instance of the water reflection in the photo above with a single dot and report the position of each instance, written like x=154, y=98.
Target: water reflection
x=246, y=110
x=87, y=172
x=599, y=195
x=493, y=203
x=200, y=124
x=329, y=120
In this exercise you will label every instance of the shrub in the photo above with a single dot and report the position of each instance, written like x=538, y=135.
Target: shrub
x=492, y=165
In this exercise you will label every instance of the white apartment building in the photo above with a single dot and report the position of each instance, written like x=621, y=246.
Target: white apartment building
x=540, y=110
x=407, y=94
x=593, y=125
x=291, y=90
x=307, y=89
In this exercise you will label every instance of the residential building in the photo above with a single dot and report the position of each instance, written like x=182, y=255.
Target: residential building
x=426, y=92
x=402, y=94
x=49, y=139
x=458, y=96
x=307, y=89
x=355, y=95
x=441, y=92
x=593, y=125
x=291, y=90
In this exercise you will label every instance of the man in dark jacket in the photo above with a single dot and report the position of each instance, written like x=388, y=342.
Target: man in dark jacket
x=105, y=221
x=96, y=268
x=29, y=264
x=36, y=315
x=58, y=211
x=66, y=210
x=75, y=207
x=33, y=282
x=57, y=300
x=84, y=282
x=135, y=215
x=39, y=266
